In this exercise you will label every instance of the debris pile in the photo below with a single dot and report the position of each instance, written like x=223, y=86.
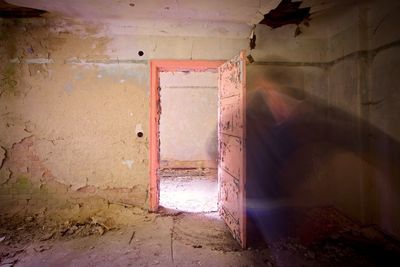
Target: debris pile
x=90, y=226
x=17, y=232
x=329, y=237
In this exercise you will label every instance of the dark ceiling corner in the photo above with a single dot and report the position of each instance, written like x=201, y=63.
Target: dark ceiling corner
x=287, y=12
x=11, y=11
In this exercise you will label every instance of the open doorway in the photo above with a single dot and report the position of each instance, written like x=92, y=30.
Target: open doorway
x=231, y=136
x=188, y=140
x=174, y=74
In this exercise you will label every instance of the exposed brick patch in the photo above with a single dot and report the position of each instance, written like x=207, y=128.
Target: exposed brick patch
x=22, y=160
x=88, y=189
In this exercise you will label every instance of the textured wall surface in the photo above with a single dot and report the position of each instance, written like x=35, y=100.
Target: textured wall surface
x=69, y=122
x=363, y=84
x=72, y=98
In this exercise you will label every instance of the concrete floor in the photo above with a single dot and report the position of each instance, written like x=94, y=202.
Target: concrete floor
x=127, y=236
x=149, y=240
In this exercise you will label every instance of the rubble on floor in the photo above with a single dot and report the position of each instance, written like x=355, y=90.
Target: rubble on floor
x=184, y=172
x=16, y=232
x=323, y=236
x=142, y=239
x=128, y=236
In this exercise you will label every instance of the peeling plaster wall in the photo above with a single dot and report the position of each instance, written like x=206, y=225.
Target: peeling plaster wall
x=74, y=94
x=68, y=125
x=72, y=97
x=188, y=121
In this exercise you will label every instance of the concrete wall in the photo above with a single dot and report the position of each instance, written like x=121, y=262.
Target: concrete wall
x=383, y=109
x=362, y=83
x=188, y=121
x=347, y=99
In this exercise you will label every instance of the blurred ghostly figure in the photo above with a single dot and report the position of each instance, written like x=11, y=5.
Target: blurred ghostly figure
x=269, y=145
x=285, y=131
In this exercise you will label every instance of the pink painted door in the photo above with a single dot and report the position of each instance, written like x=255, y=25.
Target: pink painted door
x=231, y=145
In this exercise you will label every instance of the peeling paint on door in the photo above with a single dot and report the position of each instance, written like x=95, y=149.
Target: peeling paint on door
x=231, y=145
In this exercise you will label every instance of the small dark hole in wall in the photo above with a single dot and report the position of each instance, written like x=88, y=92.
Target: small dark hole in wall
x=139, y=134
x=140, y=53
x=132, y=4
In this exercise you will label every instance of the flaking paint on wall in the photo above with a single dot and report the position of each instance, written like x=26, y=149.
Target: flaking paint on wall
x=76, y=123
x=80, y=117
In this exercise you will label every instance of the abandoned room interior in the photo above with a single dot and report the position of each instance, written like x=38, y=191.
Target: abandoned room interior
x=199, y=133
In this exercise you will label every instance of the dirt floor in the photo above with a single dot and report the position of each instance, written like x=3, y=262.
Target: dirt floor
x=127, y=236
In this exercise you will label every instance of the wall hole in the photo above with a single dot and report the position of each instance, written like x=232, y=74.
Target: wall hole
x=139, y=134
x=140, y=53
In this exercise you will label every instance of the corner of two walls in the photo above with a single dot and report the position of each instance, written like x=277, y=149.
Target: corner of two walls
x=346, y=75
x=362, y=84
x=383, y=109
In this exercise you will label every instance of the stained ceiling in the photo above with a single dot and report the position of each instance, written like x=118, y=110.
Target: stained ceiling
x=12, y=11
x=239, y=11
x=228, y=18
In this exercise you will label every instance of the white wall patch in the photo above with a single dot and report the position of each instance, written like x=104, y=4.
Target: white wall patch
x=128, y=163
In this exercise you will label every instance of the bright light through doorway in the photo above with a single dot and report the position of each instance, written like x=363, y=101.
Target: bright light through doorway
x=189, y=193
x=188, y=141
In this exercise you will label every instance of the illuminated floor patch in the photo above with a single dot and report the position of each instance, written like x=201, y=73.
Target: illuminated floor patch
x=189, y=193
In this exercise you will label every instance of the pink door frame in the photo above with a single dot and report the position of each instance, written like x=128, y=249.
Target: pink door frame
x=157, y=66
